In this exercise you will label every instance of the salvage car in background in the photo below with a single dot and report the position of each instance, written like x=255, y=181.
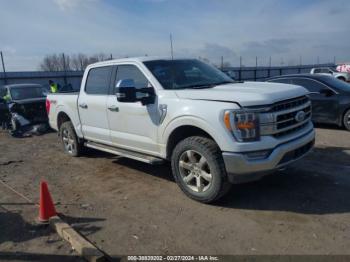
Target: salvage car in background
x=330, y=97
x=24, y=109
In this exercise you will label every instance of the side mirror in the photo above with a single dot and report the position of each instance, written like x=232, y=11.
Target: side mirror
x=128, y=93
x=326, y=92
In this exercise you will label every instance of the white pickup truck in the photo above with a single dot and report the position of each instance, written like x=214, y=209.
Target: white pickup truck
x=215, y=131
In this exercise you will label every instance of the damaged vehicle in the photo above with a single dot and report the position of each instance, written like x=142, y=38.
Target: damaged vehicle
x=23, y=109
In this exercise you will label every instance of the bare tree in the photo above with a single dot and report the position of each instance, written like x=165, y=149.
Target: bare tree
x=80, y=62
x=64, y=62
x=56, y=62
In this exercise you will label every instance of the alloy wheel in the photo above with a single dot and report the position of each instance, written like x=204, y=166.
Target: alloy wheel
x=195, y=171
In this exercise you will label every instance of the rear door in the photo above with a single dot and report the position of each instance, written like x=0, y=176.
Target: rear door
x=324, y=107
x=92, y=105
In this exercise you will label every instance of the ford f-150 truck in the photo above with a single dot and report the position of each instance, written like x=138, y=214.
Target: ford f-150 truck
x=215, y=131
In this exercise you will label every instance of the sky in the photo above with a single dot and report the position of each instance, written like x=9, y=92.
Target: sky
x=288, y=31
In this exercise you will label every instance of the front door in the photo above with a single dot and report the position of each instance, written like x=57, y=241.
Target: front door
x=133, y=126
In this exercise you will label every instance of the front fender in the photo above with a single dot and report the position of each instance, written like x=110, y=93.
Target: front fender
x=194, y=121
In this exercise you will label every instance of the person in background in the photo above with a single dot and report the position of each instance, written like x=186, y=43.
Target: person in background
x=53, y=86
x=7, y=97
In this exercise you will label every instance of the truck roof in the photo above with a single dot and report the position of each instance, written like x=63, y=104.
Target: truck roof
x=134, y=59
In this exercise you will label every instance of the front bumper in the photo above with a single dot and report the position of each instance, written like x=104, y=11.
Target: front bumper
x=241, y=169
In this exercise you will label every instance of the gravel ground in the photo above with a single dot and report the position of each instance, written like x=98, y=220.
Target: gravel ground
x=127, y=207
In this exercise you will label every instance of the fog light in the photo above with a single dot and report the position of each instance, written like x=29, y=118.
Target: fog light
x=256, y=155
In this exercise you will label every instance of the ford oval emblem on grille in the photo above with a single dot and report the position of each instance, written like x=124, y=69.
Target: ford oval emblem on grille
x=300, y=116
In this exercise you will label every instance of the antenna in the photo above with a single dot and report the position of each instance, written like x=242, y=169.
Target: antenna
x=171, y=47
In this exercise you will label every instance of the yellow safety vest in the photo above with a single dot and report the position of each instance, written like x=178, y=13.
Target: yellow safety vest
x=7, y=97
x=54, y=88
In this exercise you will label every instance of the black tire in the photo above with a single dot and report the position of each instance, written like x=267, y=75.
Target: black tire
x=72, y=146
x=346, y=120
x=342, y=78
x=198, y=147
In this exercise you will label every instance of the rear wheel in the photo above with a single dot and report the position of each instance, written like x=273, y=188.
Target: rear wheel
x=346, y=120
x=342, y=78
x=199, y=169
x=69, y=139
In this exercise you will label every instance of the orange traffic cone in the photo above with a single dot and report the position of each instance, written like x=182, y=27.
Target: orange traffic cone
x=47, y=208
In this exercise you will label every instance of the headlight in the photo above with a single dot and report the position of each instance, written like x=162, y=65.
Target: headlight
x=244, y=125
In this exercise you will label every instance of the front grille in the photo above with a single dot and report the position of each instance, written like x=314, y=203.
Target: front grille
x=295, y=154
x=281, y=119
x=288, y=104
x=290, y=131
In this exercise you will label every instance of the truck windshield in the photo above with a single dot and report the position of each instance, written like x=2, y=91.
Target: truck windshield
x=186, y=73
x=27, y=92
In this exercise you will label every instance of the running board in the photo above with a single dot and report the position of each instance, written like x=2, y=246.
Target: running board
x=125, y=153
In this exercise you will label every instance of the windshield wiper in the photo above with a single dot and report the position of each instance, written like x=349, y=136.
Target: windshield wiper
x=224, y=82
x=200, y=86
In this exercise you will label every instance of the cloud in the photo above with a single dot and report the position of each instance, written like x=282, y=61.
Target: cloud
x=214, y=52
x=66, y=5
x=210, y=29
x=268, y=47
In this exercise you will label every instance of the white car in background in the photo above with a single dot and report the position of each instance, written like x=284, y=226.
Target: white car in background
x=344, y=76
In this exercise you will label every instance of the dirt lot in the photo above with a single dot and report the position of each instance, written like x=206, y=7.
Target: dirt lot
x=126, y=207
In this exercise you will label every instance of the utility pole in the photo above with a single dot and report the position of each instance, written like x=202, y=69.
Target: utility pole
x=64, y=68
x=269, y=70
x=240, y=69
x=300, y=60
x=334, y=60
x=3, y=67
x=111, y=57
x=171, y=47
x=318, y=60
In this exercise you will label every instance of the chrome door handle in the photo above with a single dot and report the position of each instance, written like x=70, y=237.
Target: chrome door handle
x=113, y=108
x=83, y=105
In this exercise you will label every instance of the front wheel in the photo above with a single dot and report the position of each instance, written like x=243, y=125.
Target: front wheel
x=69, y=139
x=199, y=169
x=346, y=120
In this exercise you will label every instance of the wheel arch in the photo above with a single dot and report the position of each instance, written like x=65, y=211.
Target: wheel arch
x=61, y=118
x=182, y=132
x=346, y=109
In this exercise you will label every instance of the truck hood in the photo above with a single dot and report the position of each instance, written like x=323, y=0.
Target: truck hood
x=245, y=94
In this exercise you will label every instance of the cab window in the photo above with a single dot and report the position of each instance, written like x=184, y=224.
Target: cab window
x=98, y=80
